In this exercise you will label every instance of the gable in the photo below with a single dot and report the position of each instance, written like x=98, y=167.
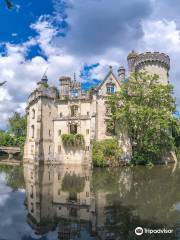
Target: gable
x=109, y=79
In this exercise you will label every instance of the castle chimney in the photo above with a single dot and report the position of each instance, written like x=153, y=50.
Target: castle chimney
x=121, y=73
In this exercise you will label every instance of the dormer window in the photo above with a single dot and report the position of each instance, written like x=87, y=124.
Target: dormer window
x=111, y=88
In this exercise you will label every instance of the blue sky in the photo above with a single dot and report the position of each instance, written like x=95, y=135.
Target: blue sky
x=82, y=37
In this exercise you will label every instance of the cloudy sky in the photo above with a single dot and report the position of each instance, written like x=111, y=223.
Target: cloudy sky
x=81, y=36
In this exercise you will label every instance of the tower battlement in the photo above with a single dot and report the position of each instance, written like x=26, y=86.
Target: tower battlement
x=152, y=62
x=160, y=59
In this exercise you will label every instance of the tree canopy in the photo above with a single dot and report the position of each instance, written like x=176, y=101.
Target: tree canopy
x=17, y=125
x=145, y=108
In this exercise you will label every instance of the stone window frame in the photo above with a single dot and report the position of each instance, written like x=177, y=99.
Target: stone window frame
x=110, y=88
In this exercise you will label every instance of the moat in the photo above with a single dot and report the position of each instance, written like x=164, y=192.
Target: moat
x=60, y=202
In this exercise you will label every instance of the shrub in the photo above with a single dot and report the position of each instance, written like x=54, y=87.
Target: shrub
x=73, y=140
x=106, y=153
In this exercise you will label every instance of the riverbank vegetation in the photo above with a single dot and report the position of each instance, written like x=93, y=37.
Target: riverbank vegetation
x=16, y=133
x=146, y=110
x=106, y=153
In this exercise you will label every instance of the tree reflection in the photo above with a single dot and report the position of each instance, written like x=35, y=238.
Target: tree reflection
x=109, y=205
x=73, y=183
x=14, y=176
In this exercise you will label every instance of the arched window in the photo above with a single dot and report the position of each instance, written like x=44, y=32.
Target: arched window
x=33, y=113
x=74, y=111
x=32, y=131
x=111, y=88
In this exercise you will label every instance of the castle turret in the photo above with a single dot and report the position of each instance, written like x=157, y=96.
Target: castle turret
x=121, y=73
x=131, y=58
x=41, y=111
x=154, y=63
x=43, y=81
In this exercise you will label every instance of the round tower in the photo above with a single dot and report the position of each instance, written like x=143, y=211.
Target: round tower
x=131, y=58
x=154, y=63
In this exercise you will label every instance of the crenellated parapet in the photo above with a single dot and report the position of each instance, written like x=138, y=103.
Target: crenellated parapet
x=152, y=58
x=151, y=62
x=49, y=92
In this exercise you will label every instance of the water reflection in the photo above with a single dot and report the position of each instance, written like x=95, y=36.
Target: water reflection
x=108, y=204
x=66, y=202
x=60, y=197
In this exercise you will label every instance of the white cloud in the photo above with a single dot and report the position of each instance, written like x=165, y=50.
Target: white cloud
x=4, y=95
x=4, y=190
x=22, y=74
x=46, y=32
x=164, y=36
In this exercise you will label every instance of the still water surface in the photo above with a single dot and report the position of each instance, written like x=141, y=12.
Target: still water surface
x=53, y=202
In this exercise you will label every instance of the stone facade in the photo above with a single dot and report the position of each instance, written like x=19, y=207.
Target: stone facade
x=53, y=112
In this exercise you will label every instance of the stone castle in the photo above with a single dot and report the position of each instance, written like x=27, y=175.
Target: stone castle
x=53, y=112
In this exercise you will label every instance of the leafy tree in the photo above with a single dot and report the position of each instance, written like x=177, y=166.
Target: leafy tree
x=145, y=108
x=17, y=125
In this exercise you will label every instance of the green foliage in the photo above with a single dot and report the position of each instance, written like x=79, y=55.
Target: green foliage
x=6, y=139
x=106, y=152
x=45, y=85
x=145, y=108
x=16, y=135
x=176, y=135
x=73, y=140
x=17, y=125
x=110, y=127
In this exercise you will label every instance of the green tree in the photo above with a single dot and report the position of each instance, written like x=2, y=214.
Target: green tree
x=17, y=125
x=6, y=139
x=145, y=108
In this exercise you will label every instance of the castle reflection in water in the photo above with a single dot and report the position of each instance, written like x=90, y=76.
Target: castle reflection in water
x=108, y=206
x=61, y=197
